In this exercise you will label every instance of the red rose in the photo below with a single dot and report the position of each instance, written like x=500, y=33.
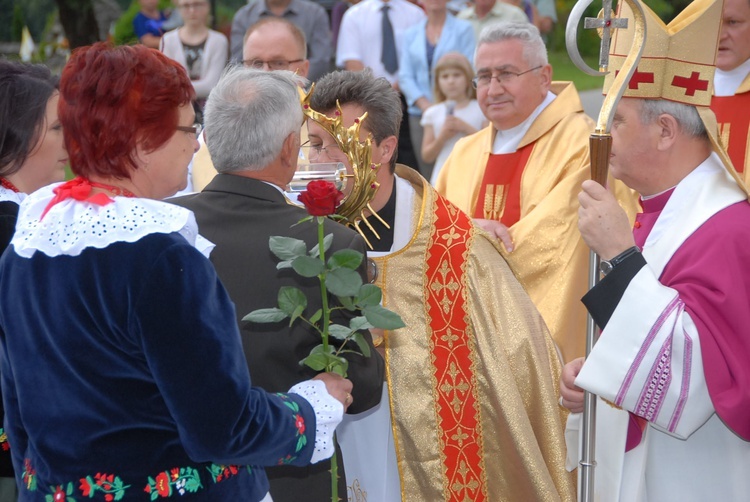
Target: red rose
x=321, y=198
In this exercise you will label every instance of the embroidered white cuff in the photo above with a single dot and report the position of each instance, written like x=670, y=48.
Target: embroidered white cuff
x=328, y=414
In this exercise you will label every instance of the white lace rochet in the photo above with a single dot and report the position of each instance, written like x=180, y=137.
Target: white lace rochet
x=71, y=226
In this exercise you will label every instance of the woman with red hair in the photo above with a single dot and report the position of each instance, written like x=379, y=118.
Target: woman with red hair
x=122, y=366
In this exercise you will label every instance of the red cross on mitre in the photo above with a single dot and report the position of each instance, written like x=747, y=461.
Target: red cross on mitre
x=638, y=78
x=691, y=84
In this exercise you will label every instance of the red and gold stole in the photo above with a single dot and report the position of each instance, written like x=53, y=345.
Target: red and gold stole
x=734, y=127
x=452, y=355
x=500, y=192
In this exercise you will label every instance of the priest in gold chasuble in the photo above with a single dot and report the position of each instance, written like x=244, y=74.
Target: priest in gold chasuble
x=523, y=172
x=471, y=411
x=731, y=90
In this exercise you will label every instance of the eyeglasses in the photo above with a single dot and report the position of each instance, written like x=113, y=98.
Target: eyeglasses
x=276, y=64
x=197, y=5
x=314, y=152
x=196, y=129
x=503, y=77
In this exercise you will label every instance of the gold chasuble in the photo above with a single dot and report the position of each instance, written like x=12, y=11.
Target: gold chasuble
x=473, y=375
x=549, y=257
x=733, y=116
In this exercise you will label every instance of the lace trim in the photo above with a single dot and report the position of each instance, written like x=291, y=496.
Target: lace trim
x=328, y=414
x=71, y=226
x=10, y=195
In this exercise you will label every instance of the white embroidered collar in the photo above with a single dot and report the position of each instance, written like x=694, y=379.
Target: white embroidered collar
x=71, y=226
x=9, y=195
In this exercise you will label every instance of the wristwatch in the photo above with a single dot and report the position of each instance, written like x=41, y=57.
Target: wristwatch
x=606, y=266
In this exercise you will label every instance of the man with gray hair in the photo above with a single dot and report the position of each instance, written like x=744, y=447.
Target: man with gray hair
x=253, y=130
x=518, y=176
x=470, y=409
x=271, y=44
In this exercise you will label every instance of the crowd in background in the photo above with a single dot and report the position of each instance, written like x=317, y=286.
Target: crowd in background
x=418, y=34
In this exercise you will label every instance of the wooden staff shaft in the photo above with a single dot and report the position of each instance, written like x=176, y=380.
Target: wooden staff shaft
x=600, y=147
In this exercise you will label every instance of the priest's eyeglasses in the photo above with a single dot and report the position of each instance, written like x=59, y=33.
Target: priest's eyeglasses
x=196, y=129
x=274, y=65
x=314, y=152
x=502, y=77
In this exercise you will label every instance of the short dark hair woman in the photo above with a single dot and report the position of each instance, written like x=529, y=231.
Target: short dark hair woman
x=120, y=354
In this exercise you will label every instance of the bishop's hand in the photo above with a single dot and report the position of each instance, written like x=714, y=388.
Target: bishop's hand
x=571, y=396
x=603, y=224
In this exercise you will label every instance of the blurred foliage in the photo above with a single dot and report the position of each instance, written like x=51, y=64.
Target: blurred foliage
x=16, y=27
x=564, y=69
x=32, y=13
x=588, y=40
x=124, y=33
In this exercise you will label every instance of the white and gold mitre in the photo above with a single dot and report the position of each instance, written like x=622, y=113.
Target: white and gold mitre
x=678, y=61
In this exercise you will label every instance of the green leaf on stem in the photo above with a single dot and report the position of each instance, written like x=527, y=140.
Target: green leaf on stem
x=320, y=349
x=339, y=332
x=382, y=318
x=318, y=362
x=296, y=314
x=362, y=344
x=266, y=315
x=339, y=365
x=290, y=298
x=346, y=258
x=303, y=220
x=343, y=282
x=284, y=264
x=287, y=248
x=347, y=302
x=327, y=241
x=306, y=266
x=316, y=316
x=369, y=294
x=360, y=323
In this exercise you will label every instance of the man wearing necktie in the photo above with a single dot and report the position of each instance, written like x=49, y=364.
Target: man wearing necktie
x=365, y=43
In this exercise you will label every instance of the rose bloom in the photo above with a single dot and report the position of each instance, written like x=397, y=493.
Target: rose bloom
x=321, y=198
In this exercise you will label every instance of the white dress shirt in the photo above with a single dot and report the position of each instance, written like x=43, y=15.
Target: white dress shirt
x=361, y=36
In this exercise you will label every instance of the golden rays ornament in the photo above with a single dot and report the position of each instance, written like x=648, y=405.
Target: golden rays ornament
x=363, y=176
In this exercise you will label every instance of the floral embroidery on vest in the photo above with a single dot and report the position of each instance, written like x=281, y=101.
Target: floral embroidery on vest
x=221, y=473
x=4, y=444
x=180, y=479
x=29, y=476
x=110, y=485
x=59, y=495
x=299, y=423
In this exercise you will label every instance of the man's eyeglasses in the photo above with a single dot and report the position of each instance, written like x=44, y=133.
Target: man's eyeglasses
x=502, y=77
x=196, y=129
x=314, y=152
x=276, y=64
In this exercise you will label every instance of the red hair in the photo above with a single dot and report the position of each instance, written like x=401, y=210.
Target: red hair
x=113, y=99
